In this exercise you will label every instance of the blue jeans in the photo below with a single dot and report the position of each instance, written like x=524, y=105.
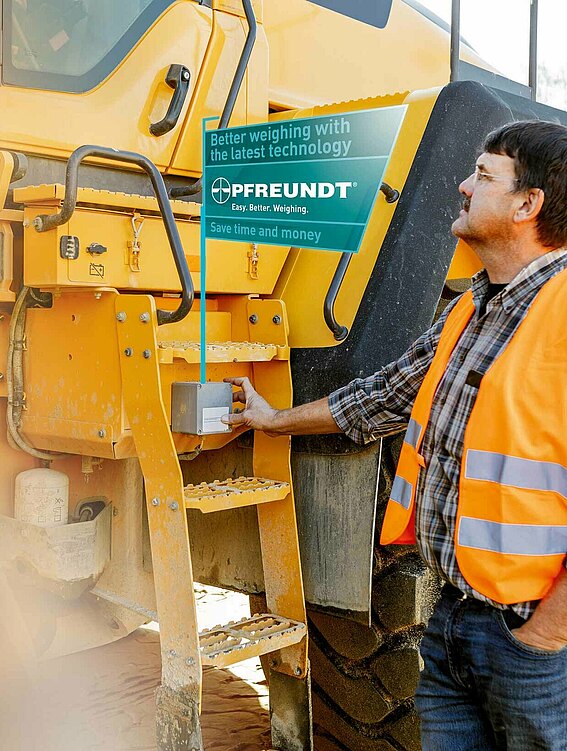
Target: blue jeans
x=483, y=690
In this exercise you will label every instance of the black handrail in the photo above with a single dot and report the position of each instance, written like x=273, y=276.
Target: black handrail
x=197, y=186
x=341, y=332
x=46, y=222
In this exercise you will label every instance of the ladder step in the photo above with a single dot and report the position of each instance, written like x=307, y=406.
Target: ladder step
x=250, y=637
x=221, y=352
x=244, y=491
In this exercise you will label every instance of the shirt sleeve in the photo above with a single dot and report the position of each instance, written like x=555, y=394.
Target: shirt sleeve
x=368, y=408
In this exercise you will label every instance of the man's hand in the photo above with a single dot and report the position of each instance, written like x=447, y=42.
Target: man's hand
x=547, y=627
x=314, y=418
x=257, y=413
x=527, y=635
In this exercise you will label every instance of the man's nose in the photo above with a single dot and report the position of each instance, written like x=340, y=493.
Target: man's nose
x=467, y=186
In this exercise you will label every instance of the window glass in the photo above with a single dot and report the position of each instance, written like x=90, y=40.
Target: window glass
x=71, y=44
x=552, y=60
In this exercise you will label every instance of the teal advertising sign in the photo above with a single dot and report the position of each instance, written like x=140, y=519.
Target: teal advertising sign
x=310, y=182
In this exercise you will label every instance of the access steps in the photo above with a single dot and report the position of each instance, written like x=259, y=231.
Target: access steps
x=281, y=632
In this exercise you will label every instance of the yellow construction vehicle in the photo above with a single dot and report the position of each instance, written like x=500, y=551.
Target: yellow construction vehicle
x=100, y=165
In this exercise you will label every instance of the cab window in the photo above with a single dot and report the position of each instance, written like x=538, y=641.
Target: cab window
x=71, y=45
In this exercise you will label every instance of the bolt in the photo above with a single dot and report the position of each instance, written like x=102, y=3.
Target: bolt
x=97, y=295
x=190, y=661
x=273, y=662
x=297, y=671
x=147, y=354
x=253, y=318
x=115, y=512
x=172, y=653
x=128, y=351
x=277, y=320
x=144, y=317
x=174, y=506
x=38, y=223
x=102, y=433
x=26, y=223
x=1, y=376
x=121, y=316
x=155, y=501
x=185, y=75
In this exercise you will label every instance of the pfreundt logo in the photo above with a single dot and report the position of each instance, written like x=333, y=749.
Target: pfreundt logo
x=221, y=190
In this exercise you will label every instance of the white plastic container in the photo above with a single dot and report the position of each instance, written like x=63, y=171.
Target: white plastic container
x=42, y=497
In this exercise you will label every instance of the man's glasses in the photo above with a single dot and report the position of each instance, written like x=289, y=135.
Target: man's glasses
x=482, y=176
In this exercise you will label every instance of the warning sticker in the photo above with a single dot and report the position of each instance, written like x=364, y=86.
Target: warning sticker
x=96, y=269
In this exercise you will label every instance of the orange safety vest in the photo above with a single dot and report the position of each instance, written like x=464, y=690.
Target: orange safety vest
x=511, y=526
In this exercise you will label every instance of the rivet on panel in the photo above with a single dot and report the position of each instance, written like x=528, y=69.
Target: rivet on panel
x=128, y=351
x=277, y=320
x=155, y=501
x=121, y=316
x=253, y=318
x=102, y=433
x=174, y=506
x=144, y=317
x=147, y=354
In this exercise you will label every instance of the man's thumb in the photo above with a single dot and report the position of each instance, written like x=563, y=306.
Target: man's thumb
x=236, y=418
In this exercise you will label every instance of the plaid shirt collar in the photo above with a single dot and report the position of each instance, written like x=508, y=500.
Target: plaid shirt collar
x=532, y=276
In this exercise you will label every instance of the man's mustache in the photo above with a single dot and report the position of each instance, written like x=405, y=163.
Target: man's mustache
x=466, y=203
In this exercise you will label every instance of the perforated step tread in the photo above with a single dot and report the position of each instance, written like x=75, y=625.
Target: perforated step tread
x=250, y=637
x=222, y=351
x=231, y=493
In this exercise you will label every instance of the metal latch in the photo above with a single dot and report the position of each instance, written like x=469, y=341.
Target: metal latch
x=253, y=260
x=134, y=246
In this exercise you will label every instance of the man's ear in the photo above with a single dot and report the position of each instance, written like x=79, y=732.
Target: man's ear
x=531, y=206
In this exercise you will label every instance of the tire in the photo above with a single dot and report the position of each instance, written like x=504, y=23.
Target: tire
x=364, y=678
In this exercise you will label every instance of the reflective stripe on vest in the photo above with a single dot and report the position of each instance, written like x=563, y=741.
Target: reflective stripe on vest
x=512, y=539
x=413, y=433
x=401, y=492
x=516, y=472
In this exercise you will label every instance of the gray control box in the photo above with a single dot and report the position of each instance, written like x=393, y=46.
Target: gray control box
x=197, y=408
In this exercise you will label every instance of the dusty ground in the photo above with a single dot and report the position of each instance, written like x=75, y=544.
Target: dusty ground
x=103, y=699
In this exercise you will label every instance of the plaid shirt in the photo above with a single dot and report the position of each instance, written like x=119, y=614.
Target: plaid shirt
x=369, y=408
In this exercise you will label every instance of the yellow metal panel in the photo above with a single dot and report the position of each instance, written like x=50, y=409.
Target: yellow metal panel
x=307, y=275
x=228, y=263
x=212, y=87
x=319, y=56
x=72, y=375
x=120, y=110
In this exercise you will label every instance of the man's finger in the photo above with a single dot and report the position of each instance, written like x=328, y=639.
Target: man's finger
x=237, y=381
x=239, y=396
x=236, y=418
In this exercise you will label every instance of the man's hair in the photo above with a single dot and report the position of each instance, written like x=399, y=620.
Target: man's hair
x=539, y=151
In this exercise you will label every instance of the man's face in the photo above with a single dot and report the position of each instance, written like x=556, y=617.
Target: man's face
x=488, y=201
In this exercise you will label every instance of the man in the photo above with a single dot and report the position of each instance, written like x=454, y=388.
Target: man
x=481, y=485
